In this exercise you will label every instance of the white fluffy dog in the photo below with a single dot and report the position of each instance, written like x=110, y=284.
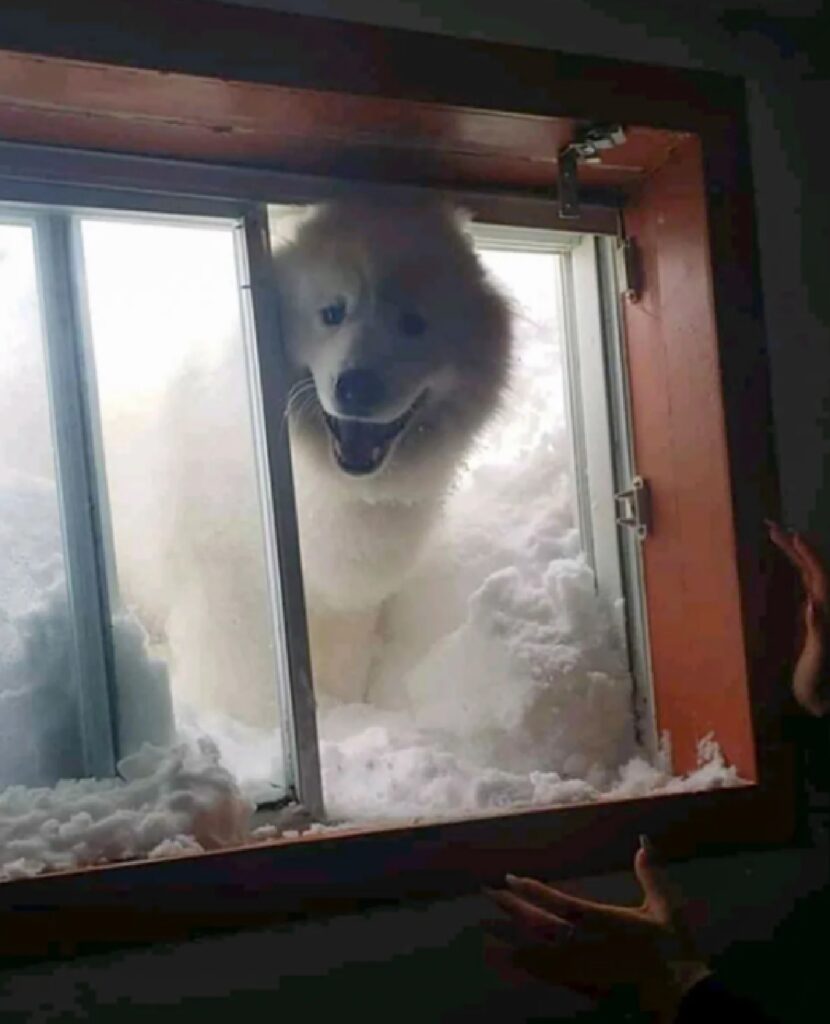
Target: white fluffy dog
x=401, y=348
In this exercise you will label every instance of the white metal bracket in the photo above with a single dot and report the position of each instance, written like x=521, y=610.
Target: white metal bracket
x=634, y=507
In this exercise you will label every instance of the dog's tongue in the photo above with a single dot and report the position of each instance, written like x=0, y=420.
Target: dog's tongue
x=360, y=446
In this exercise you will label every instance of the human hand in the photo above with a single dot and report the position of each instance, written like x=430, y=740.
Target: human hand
x=811, y=676
x=594, y=948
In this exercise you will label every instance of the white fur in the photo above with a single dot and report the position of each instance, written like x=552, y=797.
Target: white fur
x=360, y=536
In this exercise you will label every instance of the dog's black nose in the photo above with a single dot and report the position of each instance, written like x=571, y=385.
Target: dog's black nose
x=358, y=392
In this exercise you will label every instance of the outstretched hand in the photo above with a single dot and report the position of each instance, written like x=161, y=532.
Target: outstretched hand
x=594, y=948
x=811, y=676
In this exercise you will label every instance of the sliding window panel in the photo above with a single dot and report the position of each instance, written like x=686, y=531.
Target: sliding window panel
x=168, y=359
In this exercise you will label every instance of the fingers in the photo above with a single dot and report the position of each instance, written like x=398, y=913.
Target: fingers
x=531, y=917
x=776, y=531
x=549, y=911
x=659, y=896
x=805, y=560
x=811, y=675
x=784, y=541
x=814, y=571
x=563, y=905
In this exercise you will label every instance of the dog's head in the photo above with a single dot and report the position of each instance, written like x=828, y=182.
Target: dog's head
x=399, y=341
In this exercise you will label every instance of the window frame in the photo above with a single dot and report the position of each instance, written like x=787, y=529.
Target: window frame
x=91, y=565
x=325, y=874
x=73, y=405
x=599, y=383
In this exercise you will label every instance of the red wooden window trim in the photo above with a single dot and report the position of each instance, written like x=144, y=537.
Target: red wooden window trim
x=139, y=110
x=692, y=587
x=246, y=44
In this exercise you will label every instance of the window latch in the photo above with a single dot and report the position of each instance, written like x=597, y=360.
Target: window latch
x=634, y=507
x=585, y=148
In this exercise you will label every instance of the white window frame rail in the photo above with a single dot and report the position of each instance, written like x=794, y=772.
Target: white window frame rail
x=603, y=260
x=269, y=390
x=82, y=501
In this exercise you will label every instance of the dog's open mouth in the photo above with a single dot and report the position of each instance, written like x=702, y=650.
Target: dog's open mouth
x=360, y=446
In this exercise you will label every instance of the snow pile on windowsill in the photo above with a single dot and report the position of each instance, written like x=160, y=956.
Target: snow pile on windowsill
x=167, y=802
x=375, y=775
x=183, y=801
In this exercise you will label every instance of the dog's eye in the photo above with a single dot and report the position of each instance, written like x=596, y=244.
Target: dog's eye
x=412, y=324
x=334, y=314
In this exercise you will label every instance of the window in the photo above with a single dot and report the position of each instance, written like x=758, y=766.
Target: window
x=507, y=667
x=666, y=403
x=186, y=637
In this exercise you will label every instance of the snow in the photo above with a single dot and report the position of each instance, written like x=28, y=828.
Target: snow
x=168, y=803
x=500, y=683
x=39, y=711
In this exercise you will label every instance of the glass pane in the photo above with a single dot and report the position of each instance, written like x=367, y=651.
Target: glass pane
x=531, y=280
x=463, y=660
x=187, y=528
x=39, y=725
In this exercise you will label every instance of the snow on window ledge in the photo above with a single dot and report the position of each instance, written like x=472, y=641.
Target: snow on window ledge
x=183, y=801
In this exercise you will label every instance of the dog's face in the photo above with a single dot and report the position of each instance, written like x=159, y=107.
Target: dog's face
x=399, y=342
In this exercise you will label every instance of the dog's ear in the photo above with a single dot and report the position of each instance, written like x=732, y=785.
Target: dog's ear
x=285, y=222
x=463, y=217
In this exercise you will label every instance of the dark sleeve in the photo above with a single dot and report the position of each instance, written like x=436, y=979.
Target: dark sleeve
x=708, y=1000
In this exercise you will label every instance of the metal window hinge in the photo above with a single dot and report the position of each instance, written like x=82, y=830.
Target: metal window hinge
x=630, y=269
x=634, y=507
x=585, y=148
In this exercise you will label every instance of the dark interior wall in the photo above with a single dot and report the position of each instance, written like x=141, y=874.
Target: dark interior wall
x=424, y=964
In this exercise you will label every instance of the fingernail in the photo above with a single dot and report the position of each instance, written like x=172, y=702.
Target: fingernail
x=652, y=851
x=512, y=880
